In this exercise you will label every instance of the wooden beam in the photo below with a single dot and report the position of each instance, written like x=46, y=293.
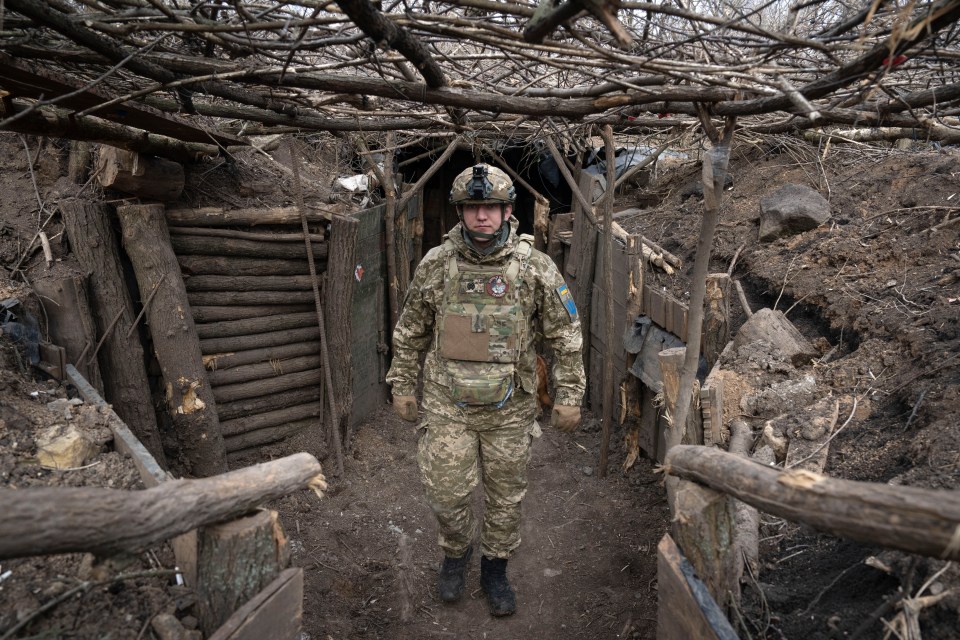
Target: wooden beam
x=922, y=521
x=46, y=520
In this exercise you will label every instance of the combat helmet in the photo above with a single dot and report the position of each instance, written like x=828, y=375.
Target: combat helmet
x=482, y=183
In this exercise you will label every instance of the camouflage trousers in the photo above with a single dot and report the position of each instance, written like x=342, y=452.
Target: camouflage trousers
x=459, y=448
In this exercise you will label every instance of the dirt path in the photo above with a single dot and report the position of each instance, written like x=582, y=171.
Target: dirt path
x=586, y=568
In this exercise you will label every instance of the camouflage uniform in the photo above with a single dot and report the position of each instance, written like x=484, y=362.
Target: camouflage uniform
x=460, y=442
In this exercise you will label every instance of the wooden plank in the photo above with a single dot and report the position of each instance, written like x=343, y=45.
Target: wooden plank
x=685, y=608
x=275, y=613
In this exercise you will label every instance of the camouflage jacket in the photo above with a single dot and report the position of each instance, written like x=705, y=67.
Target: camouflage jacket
x=544, y=311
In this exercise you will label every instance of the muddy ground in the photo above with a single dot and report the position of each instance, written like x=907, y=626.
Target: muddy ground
x=877, y=288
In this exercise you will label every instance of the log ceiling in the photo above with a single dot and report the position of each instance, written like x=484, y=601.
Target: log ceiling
x=209, y=73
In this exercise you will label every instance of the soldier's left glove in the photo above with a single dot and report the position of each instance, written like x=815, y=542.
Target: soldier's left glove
x=565, y=418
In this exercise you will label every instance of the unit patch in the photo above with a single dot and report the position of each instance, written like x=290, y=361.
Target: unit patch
x=473, y=285
x=497, y=286
x=567, y=301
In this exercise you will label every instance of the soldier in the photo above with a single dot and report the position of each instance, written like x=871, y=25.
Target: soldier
x=475, y=306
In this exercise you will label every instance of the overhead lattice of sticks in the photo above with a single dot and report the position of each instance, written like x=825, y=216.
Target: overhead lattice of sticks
x=480, y=67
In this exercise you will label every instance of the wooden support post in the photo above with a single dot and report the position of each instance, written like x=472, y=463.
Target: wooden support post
x=746, y=535
x=541, y=223
x=716, y=320
x=691, y=431
x=608, y=384
x=338, y=303
x=190, y=400
x=923, y=521
x=704, y=525
x=685, y=608
x=71, y=322
x=121, y=358
x=274, y=613
x=235, y=561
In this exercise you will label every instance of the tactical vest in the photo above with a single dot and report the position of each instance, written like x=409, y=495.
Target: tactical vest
x=481, y=329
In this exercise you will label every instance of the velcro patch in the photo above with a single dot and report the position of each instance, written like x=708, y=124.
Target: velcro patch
x=567, y=301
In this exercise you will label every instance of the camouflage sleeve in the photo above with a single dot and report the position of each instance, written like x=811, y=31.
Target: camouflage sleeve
x=414, y=329
x=560, y=326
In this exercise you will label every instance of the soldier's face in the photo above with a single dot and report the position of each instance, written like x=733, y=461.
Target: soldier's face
x=485, y=218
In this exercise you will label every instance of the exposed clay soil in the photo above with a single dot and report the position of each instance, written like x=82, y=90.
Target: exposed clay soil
x=874, y=288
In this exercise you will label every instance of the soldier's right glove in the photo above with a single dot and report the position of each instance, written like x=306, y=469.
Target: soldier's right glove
x=406, y=407
x=565, y=418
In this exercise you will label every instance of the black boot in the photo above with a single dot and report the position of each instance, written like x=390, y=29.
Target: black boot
x=452, y=576
x=493, y=580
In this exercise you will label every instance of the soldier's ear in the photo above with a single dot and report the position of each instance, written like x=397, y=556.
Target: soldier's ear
x=507, y=210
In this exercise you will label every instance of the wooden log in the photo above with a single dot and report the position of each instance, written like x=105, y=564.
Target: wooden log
x=199, y=245
x=243, y=298
x=46, y=520
x=223, y=361
x=78, y=165
x=263, y=370
x=139, y=175
x=233, y=344
x=923, y=521
x=121, y=359
x=204, y=314
x=248, y=283
x=70, y=322
x=261, y=437
x=716, y=320
x=220, y=217
x=239, y=266
x=240, y=391
x=276, y=612
x=245, y=235
x=746, y=535
x=268, y=419
x=190, y=401
x=262, y=404
x=337, y=307
x=773, y=327
x=685, y=608
x=260, y=324
x=671, y=361
x=704, y=526
x=235, y=561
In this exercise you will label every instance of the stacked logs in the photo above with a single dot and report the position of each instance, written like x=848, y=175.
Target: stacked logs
x=251, y=294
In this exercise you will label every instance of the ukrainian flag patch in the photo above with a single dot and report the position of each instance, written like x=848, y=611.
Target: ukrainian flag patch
x=567, y=301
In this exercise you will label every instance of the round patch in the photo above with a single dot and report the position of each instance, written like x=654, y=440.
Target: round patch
x=497, y=286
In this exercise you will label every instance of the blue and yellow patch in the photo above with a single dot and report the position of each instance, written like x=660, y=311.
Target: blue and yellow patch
x=567, y=301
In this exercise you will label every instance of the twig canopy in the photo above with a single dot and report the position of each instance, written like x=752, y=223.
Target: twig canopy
x=466, y=67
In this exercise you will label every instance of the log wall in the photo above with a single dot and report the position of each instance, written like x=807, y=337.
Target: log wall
x=250, y=290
